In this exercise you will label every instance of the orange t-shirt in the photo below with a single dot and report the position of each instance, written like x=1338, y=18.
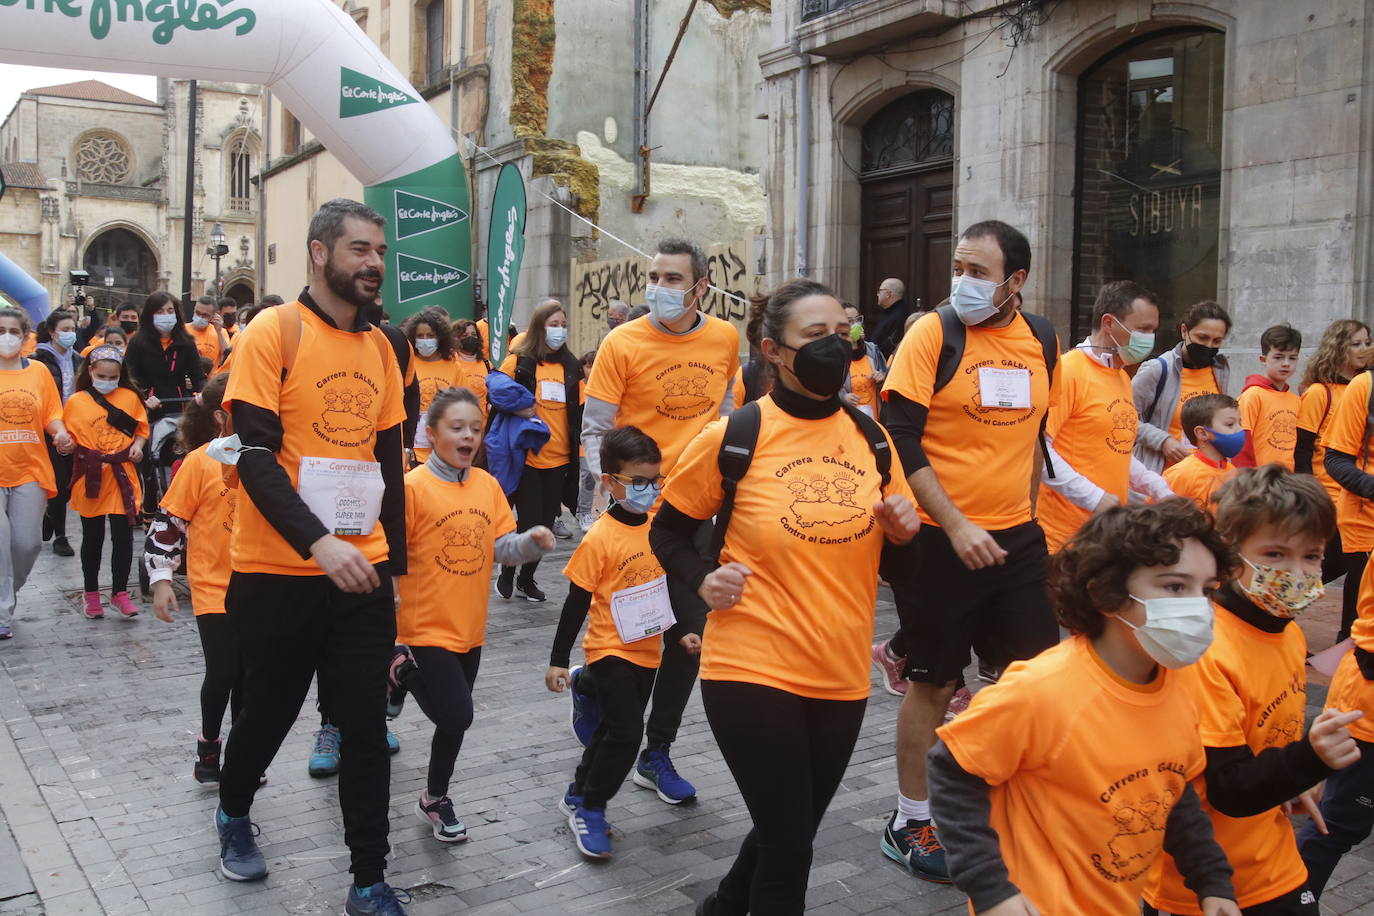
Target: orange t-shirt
x=1349, y=690
x=1271, y=418
x=550, y=396
x=1084, y=768
x=1317, y=409
x=343, y=389
x=614, y=556
x=737, y=391
x=434, y=376
x=450, y=532
x=28, y=403
x=30, y=344
x=1345, y=433
x=1093, y=426
x=472, y=375
x=1195, y=383
x=803, y=522
x=85, y=420
x=482, y=327
x=668, y=385
x=984, y=457
x=199, y=495
x=863, y=384
x=207, y=342
x=1196, y=477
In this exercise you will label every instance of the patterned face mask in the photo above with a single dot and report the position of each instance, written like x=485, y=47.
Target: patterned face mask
x=1282, y=593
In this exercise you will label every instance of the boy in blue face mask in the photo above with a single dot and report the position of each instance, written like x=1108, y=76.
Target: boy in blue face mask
x=614, y=576
x=1212, y=423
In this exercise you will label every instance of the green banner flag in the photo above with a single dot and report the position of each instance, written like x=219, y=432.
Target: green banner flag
x=505, y=250
x=360, y=94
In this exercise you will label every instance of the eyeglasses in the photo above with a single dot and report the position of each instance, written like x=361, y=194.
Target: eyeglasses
x=639, y=482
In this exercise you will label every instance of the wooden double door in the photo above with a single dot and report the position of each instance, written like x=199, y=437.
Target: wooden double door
x=908, y=233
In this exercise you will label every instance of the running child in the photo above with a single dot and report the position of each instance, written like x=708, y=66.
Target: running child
x=1251, y=692
x=1212, y=423
x=457, y=523
x=197, y=514
x=106, y=418
x=1058, y=788
x=1268, y=404
x=613, y=568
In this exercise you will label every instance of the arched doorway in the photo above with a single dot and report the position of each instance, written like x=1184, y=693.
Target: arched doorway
x=241, y=291
x=122, y=254
x=907, y=176
x=1148, y=196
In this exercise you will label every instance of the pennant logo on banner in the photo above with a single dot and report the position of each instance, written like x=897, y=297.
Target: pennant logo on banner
x=360, y=94
x=416, y=215
x=420, y=277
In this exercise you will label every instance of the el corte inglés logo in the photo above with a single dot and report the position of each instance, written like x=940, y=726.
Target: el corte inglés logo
x=360, y=94
x=416, y=215
x=419, y=277
x=169, y=16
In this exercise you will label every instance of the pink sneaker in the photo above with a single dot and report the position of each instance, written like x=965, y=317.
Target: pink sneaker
x=124, y=605
x=890, y=667
x=93, y=609
x=958, y=703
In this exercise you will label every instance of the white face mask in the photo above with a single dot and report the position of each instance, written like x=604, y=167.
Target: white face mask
x=227, y=449
x=1176, y=631
x=972, y=299
x=426, y=346
x=10, y=345
x=164, y=323
x=667, y=305
x=555, y=337
x=105, y=386
x=200, y=323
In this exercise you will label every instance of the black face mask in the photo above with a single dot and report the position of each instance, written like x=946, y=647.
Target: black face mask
x=470, y=345
x=229, y=319
x=821, y=365
x=1196, y=356
x=129, y=326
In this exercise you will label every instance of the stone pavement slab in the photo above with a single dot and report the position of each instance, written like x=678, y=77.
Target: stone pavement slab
x=95, y=783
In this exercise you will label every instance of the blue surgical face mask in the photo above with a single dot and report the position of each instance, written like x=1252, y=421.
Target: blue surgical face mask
x=667, y=305
x=66, y=339
x=972, y=299
x=201, y=322
x=426, y=346
x=640, y=499
x=105, y=386
x=555, y=337
x=164, y=323
x=1229, y=444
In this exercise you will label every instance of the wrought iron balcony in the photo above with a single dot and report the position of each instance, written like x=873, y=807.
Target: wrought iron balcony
x=812, y=9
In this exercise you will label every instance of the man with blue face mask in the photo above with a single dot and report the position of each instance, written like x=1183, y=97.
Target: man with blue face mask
x=669, y=375
x=970, y=444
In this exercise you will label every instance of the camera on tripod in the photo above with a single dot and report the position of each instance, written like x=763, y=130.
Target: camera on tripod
x=80, y=279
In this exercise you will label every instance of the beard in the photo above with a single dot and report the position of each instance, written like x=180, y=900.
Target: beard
x=348, y=287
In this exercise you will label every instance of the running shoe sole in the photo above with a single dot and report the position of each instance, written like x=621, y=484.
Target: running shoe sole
x=895, y=855
x=437, y=828
x=645, y=782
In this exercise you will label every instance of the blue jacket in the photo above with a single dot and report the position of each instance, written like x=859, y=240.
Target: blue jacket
x=509, y=437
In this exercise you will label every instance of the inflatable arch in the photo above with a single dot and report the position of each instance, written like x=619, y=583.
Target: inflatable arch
x=330, y=75
x=23, y=289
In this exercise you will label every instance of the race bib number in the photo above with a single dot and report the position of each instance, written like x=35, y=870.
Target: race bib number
x=553, y=391
x=642, y=611
x=1009, y=388
x=345, y=495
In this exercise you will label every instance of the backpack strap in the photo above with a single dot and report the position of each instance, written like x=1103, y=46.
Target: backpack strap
x=290, y=324
x=952, y=350
x=735, y=456
x=877, y=441
x=1043, y=330
x=1159, y=388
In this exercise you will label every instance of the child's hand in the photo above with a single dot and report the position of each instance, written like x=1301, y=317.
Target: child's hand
x=556, y=679
x=63, y=443
x=1219, y=906
x=1310, y=803
x=1013, y=906
x=1331, y=739
x=692, y=643
x=897, y=517
x=164, y=601
x=136, y=452
x=543, y=537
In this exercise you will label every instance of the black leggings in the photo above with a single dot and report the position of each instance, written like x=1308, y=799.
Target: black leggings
x=537, y=499
x=622, y=690
x=756, y=727
x=57, y=505
x=121, y=551
x=442, y=684
x=223, y=682
x=1354, y=571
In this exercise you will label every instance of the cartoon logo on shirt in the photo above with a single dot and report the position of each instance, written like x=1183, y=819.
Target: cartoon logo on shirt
x=685, y=389
x=346, y=419
x=1139, y=826
x=429, y=387
x=1284, y=733
x=642, y=575
x=1122, y=437
x=18, y=407
x=464, y=550
x=107, y=439
x=231, y=497
x=1283, y=431
x=822, y=505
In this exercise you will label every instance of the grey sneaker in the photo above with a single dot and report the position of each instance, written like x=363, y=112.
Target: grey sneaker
x=239, y=856
x=560, y=530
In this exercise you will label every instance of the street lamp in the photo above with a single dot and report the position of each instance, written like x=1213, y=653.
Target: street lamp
x=217, y=250
x=109, y=286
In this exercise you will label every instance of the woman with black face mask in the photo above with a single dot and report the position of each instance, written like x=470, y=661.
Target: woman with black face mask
x=784, y=666
x=1194, y=367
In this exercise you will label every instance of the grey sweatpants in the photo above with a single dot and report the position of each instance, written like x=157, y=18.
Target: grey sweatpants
x=21, y=532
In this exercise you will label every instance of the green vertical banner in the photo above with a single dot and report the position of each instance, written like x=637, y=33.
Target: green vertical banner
x=428, y=236
x=505, y=250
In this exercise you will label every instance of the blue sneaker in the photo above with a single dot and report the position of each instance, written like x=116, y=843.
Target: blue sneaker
x=654, y=770
x=239, y=856
x=590, y=831
x=393, y=744
x=569, y=804
x=381, y=899
x=586, y=711
x=324, y=761
x=917, y=848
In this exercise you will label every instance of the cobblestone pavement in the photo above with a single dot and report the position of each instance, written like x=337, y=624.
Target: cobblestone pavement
x=95, y=784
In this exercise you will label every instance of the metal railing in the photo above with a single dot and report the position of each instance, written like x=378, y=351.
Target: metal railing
x=814, y=9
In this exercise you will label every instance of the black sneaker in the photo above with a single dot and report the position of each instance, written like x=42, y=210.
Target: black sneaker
x=505, y=582
x=47, y=527
x=62, y=547
x=988, y=674
x=402, y=664
x=207, y=761
x=531, y=591
x=917, y=848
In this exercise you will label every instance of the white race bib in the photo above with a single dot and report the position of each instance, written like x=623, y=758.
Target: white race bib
x=868, y=409
x=421, y=434
x=1009, y=388
x=553, y=391
x=642, y=611
x=345, y=495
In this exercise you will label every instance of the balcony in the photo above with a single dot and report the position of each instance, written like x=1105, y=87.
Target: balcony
x=843, y=28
